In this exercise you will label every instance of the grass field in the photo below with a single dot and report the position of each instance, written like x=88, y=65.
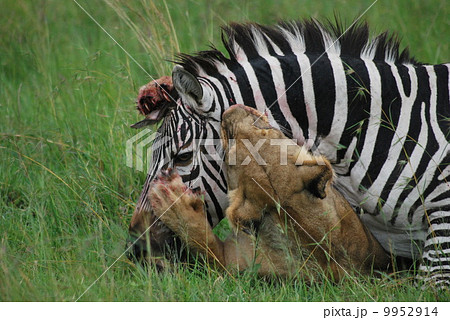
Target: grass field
x=67, y=96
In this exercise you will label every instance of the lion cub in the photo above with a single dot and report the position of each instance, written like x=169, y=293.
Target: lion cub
x=288, y=218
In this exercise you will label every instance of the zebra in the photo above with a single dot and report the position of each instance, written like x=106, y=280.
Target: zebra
x=380, y=117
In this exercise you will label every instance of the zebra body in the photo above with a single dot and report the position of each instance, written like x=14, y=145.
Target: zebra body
x=381, y=118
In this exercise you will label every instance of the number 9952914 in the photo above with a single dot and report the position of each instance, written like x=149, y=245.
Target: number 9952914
x=410, y=311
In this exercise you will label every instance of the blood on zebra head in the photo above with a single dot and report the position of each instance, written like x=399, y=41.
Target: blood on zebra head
x=154, y=101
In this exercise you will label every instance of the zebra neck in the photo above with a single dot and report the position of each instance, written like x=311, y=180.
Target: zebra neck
x=329, y=102
x=307, y=96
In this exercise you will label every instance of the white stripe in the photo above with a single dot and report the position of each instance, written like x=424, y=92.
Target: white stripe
x=442, y=283
x=280, y=87
x=444, y=186
x=232, y=81
x=343, y=165
x=359, y=170
x=434, y=259
x=369, y=50
x=445, y=173
x=439, y=215
x=439, y=190
x=308, y=94
x=441, y=226
x=411, y=167
x=437, y=255
x=295, y=39
x=437, y=158
x=433, y=276
x=396, y=145
x=205, y=161
x=329, y=145
x=448, y=73
x=274, y=46
x=217, y=113
x=431, y=269
x=436, y=241
x=332, y=46
x=253, y=80
x=258, y=40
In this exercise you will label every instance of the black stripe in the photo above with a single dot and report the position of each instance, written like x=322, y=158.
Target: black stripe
x=277, y=39
x=432, y=145
x=443, y=196
x=221, y=180
x=211, y=175
x=183, y=132
x=439, y=220
x=441, y=246
x=217, y=208
x=195, y=172
x=435, y=183
x=266, y=83
x=436, y=220
x=228, y=92
x=226, y=98
x=409, y=144
x=442, y=262
x=245, y=87
x=174, y=132
x=215, y=133
x=293, y=87
x=358, y=97
x=294, y=94
x=434, y=254
x=443, y=104
x=439, y=233
x=220, y=96
x=405, y=78
x=391, y=106
x=324, y=91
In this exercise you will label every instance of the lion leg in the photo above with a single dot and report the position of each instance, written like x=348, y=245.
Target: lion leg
x=182, y=211
x=242, y=212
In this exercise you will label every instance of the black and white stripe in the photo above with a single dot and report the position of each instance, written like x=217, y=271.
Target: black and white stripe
x=379, y=116
x=184, y=142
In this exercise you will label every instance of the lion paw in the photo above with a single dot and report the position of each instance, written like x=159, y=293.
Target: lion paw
x=173, y=202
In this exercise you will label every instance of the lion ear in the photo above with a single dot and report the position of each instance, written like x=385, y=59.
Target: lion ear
x=318, y=175
x=187, y=86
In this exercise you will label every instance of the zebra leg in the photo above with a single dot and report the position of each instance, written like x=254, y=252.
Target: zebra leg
x=435, y=266
x=183, y=212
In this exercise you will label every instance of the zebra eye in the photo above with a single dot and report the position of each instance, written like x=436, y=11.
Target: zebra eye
x=183, y=157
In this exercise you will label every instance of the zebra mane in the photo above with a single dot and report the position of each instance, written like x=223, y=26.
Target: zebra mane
x=251, y=40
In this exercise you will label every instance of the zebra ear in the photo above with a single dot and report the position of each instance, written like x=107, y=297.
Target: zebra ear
x=187, y=86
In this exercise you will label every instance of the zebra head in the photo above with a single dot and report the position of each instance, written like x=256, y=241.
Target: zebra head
x=188, y=140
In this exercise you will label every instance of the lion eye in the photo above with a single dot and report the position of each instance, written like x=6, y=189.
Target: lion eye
x=183, y=157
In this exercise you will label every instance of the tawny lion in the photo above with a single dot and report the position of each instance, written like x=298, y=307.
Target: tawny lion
x=288, y=218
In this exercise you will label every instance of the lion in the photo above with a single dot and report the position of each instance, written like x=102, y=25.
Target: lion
x=288, y=218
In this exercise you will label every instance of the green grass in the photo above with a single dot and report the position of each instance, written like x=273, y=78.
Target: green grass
x=67, y=96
